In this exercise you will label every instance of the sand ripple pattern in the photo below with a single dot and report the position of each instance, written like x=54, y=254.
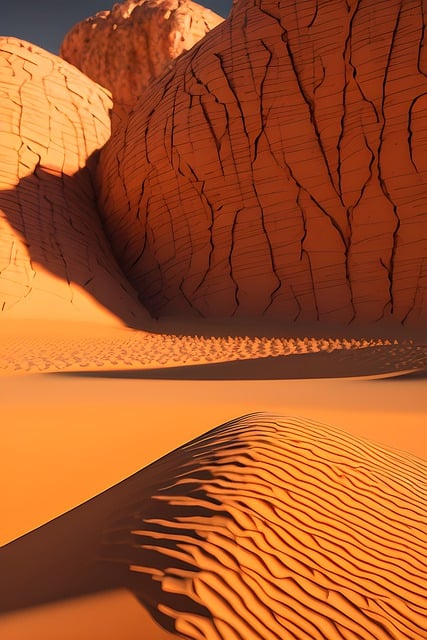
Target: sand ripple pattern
x=130, y=350
x=272, y=528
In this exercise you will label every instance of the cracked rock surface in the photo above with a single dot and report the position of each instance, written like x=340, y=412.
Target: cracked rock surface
x=279, y=169
x=126, y=48
x=53, y=250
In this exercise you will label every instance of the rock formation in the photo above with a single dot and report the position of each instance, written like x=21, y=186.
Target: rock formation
x=55, y=260
x=126, y=48
x=264, y=528
x=279, y=169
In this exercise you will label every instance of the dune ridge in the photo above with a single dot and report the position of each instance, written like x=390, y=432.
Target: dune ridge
x=99, y=349
x=281, y=528
x=265, y=527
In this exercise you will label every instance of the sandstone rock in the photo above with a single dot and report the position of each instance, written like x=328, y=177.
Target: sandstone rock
x=279, y=168
x=54, y=258
x=126, y=48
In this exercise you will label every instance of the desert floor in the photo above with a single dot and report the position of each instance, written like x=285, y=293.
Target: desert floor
x=67, y=436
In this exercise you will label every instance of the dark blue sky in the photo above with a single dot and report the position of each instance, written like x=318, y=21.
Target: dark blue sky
x=45, y=22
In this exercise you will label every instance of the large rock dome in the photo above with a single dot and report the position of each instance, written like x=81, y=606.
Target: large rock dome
x=279, y=169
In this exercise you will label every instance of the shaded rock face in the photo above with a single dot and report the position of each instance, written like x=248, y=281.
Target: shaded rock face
x=126, y=48
x=280, y=170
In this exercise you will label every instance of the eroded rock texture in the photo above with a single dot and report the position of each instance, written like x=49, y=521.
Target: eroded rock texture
x=126, y=48
x=280, y=168
x=52, y=246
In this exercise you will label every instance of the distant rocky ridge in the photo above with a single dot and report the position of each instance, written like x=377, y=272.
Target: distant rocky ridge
x=126, y=48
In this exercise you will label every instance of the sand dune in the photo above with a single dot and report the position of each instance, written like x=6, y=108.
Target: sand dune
x=265, y=527
x=73, y=436
x=48, y=347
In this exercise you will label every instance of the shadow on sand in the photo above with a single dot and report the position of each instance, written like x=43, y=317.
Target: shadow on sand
x=386, y=361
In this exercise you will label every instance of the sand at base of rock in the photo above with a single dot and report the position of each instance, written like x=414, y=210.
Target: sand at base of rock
x=75, y=434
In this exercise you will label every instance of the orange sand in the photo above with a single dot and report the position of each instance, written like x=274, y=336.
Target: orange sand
x=48, y=621
x=124, y=398
x=73, y=437
x=107, y=616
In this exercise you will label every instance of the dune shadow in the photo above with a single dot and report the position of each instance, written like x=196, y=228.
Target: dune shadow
x=226, y=504
x=384, y=361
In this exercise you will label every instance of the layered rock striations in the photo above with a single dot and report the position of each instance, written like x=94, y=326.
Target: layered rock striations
x=126, y=48
x=279, y=169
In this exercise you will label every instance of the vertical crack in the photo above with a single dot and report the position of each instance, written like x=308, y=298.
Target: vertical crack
x=230, y=261
x=414, y=298
x=311, y=108
x=422, y=39
x=410, y=131
x=263, y=116
x=347, y=63
x=380, y=175
x=315, y=14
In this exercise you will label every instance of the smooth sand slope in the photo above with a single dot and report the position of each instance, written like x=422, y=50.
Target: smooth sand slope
x=72, y=437
x=265, y=527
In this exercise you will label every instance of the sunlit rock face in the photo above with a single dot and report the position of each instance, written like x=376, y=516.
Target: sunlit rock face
x=280, y=168
x=54, y=258
x=126, y=48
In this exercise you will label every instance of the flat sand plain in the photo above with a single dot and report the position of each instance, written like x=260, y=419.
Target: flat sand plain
x=67, y=436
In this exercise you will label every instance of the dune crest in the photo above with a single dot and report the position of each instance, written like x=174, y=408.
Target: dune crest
x=265, y=527
x=279, y=527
